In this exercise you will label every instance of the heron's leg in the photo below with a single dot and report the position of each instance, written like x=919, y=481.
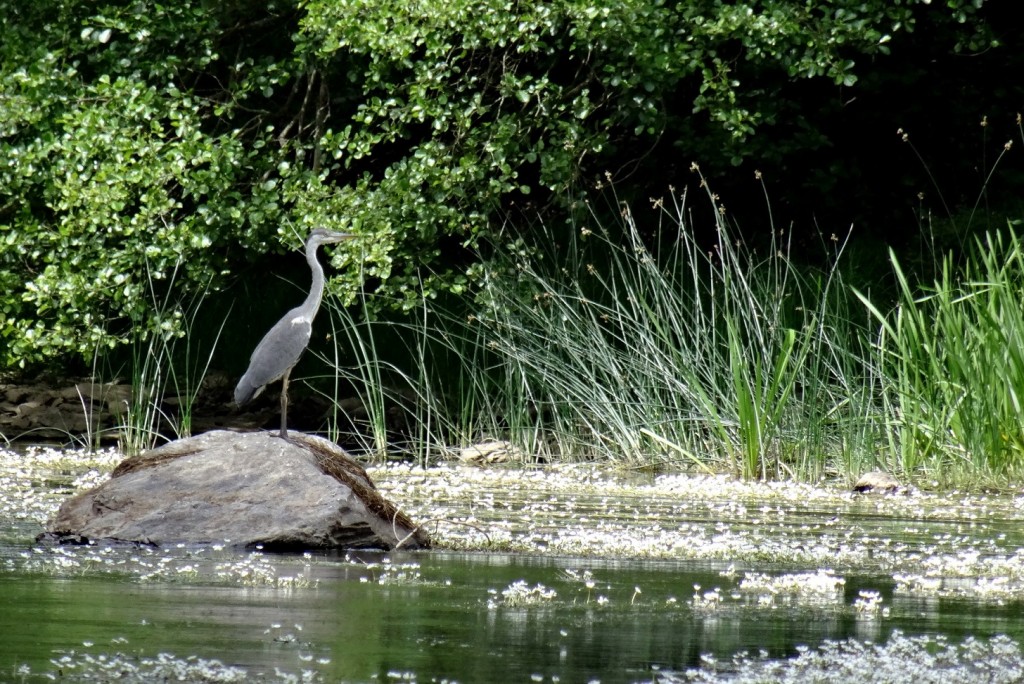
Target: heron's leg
x=284, y=404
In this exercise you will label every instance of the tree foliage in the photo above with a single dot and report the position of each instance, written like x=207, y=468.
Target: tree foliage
x=140, y=140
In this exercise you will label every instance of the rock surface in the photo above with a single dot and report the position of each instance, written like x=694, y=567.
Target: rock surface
x=490, y=452
x=243, y=489
x=878, y=482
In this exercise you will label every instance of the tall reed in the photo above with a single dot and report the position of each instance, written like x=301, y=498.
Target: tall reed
x=645, y=346
x=166, y=363
x=666, y=341
x=952, y=356
x=424, y=385
x=637, y=344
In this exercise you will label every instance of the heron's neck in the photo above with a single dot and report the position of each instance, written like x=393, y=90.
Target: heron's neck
x=316, y=290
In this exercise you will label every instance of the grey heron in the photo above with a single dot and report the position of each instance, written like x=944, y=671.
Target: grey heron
x=280, y=349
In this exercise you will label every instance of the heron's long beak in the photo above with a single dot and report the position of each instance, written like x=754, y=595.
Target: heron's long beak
x=338, y=237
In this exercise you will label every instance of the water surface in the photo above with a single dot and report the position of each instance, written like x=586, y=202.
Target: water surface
x=606, y=579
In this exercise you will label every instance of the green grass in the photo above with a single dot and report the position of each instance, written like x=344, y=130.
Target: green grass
x=660, y=339
x=425, y=384
x=166, y=369
x=645, y=343
x=952, y=355
x=712, y=356
x=681, y=355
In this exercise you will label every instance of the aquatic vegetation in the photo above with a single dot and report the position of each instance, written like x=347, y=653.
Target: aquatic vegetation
x=995, y=588
x=868, y=605
x=589, y=511
x=34, y=482
x=179, y=563
x=519, y=594
x=767, y=549
x=585, y=581
x=163, y=667
x=821, y=583
x=821, y=590
x=806, y=588
x=389, y=572
x=706, y=601
x=900, y=660
x=257, y=570
x=581, y=510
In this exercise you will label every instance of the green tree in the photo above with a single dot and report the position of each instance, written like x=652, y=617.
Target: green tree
x=139, y=139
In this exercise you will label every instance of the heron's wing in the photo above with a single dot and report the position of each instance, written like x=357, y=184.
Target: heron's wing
x=277, y=352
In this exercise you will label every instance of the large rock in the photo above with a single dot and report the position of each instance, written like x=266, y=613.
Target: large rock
x=244, y=489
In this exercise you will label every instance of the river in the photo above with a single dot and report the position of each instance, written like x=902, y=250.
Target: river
x=559, y=574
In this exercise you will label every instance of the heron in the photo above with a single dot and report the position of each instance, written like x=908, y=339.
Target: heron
x=279, y=350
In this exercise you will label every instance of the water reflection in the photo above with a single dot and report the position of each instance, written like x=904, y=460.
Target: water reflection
x=375, y=617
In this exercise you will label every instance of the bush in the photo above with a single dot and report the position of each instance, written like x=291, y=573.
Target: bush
x=137, y=136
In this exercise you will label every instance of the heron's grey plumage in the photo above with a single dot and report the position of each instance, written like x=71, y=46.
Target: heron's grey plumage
x=280, y=349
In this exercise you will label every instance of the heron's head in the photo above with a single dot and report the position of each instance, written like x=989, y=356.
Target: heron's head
x=322, y=236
